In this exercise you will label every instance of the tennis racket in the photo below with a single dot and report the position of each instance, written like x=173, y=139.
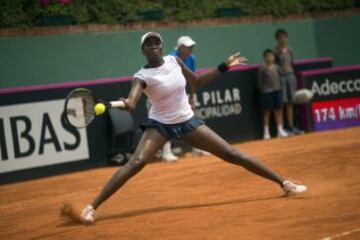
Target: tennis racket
x=80, y=105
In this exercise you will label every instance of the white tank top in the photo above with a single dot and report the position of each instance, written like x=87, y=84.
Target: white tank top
x=165, y=88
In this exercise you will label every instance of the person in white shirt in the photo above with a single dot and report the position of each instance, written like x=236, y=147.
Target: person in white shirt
x=163, y=80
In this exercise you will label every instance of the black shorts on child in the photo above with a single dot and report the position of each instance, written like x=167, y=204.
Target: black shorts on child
x=271, y=100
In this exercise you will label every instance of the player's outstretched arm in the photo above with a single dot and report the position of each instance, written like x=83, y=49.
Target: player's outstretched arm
x=134, y=95
x=198, y=80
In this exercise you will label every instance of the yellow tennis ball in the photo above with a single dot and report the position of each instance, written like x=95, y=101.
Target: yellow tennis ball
x=99, y=108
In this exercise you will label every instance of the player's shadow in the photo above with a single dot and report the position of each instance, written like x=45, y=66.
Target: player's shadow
x=179, y=207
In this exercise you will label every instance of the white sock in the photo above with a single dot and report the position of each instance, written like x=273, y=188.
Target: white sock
x=266, y=130
x=167, y=148
x=280, y=128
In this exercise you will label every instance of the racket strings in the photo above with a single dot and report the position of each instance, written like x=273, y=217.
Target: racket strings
x=88, y=108
x=80, y=108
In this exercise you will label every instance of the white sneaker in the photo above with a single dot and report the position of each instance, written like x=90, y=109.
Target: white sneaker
x=267, y=136
x=169, y=157
x=290, y=187
x=198, y=152
x=88, y=214
x=282, y=133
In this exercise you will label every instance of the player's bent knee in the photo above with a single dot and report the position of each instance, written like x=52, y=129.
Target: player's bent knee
x=137, y=163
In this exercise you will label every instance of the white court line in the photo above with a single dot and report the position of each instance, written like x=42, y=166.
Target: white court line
x=342, y=234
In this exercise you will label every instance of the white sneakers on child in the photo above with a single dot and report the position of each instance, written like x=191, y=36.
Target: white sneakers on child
x=267, y=136
x=292, y=188
x=282, y=133
x=88, y=214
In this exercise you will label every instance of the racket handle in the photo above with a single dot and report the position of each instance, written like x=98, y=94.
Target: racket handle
x=120, y=104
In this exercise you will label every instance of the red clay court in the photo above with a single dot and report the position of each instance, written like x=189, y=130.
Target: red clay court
x=204, y=197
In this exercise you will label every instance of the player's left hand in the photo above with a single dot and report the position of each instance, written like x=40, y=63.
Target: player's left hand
x=235, y=59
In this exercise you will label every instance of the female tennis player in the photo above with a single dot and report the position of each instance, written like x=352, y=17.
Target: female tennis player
x=163, y=80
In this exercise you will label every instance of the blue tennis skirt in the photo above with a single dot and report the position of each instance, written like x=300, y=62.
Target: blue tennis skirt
x=173, y=131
